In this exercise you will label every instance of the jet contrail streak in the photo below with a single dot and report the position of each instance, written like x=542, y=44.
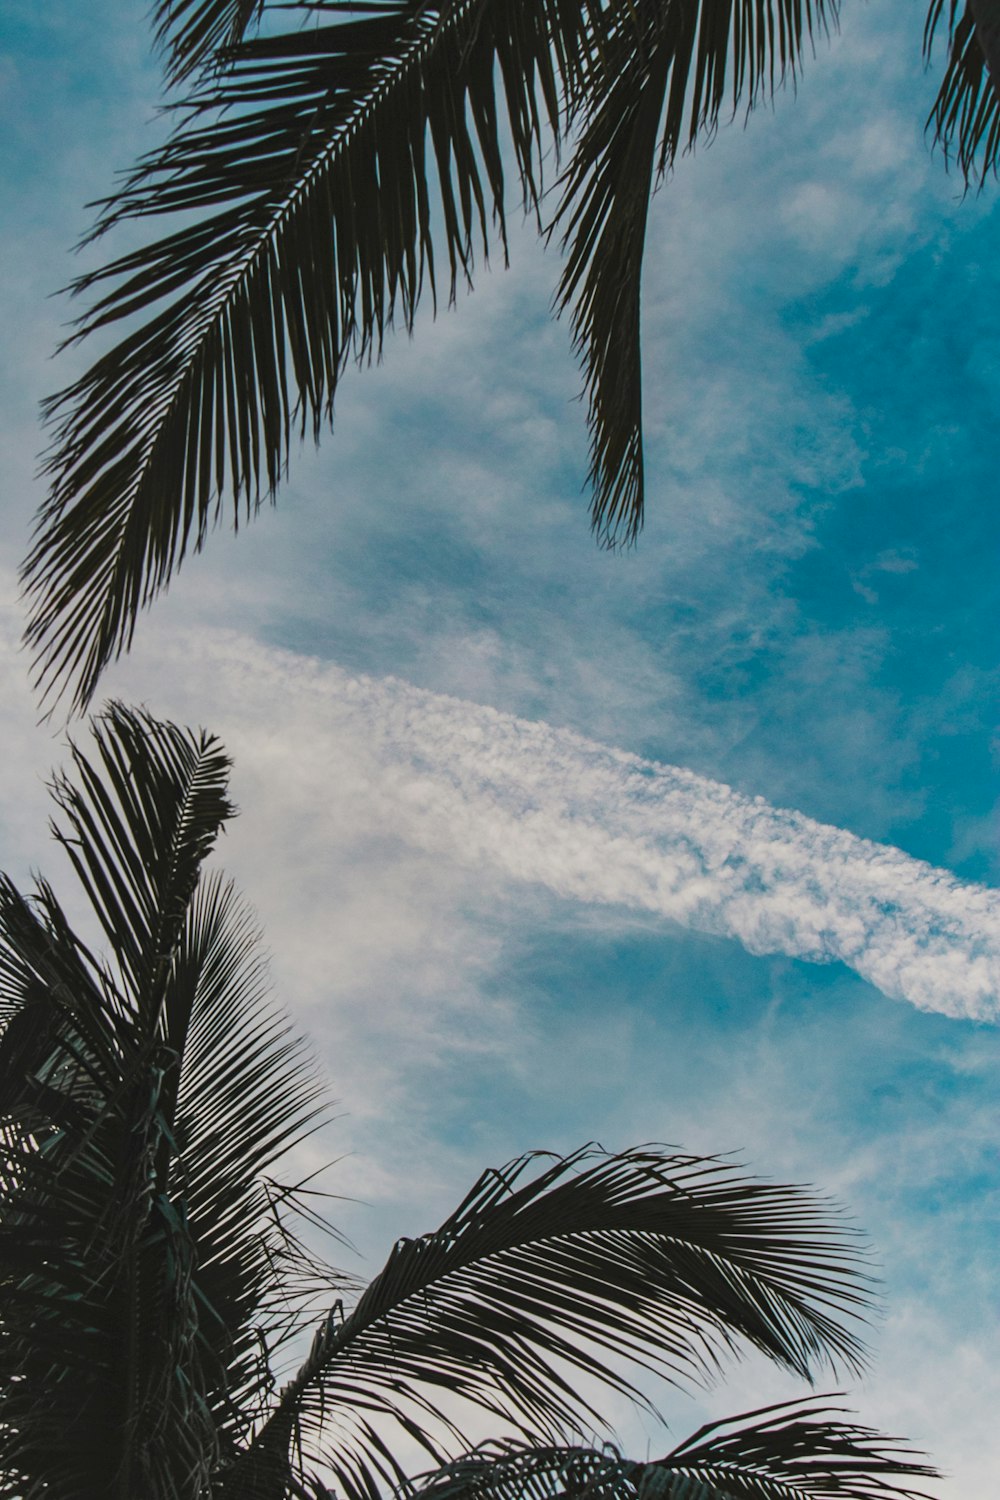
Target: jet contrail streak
x=597, y=824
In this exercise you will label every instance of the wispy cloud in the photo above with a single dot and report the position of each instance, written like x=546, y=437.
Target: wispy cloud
x=535, y=803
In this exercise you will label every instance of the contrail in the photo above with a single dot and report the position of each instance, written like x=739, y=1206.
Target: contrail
x=597, y=824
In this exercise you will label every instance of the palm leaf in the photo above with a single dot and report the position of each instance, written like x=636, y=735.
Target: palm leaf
x=658, y=78
x=310, y=154
x=96, y=1314
x=793, y=1451
x=669, y=1262
x=143, y=1097
x=965, y=118
x=141, y=822
x=193, y=33
x=244, y=1092
x=315, y=175
x=790, y=1450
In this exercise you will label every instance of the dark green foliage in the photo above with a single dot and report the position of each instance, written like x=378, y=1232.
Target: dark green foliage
x=150, y=1281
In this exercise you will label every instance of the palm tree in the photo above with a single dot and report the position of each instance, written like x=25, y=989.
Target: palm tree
x=153, y=1282
x=320, y=175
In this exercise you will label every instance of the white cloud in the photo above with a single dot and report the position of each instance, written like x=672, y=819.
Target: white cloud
x=532, y=803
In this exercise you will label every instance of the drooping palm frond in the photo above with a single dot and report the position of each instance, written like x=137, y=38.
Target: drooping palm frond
x=315, y=173
x=794, y=1451
x=668, y=1262
x=142, y=1096
x=965, y=119
x=306, y=166
x=658, y=76
x=193, y=33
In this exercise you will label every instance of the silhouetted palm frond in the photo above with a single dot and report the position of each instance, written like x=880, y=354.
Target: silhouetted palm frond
x=318, y=174
x=193, y=33
x=666, y=1261
x=793, y=1451
x=965, y=119
x=659, y=76
x=142, y=1095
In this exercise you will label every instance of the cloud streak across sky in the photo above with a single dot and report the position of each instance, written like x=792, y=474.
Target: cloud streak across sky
x=595, y=824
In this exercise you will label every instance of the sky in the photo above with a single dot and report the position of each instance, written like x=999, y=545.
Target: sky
x=693, y=843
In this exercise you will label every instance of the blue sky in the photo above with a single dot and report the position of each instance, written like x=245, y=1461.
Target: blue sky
x=458, y=907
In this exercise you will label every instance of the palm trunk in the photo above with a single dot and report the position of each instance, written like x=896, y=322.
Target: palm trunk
x=986, y=15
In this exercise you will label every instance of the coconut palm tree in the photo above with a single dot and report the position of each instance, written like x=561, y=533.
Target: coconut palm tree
x=154, y=1280
x=317, y=180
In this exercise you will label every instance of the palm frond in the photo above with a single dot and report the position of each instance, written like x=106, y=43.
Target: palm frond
x=309, y=155
x=141, y=822
x=192, y=33
x=965, y=118
x=244, y=1091
x=315, y=173
x=793, y=1451
x=796, y=1449
x=659, y=76
x=667, y=1261
x=142, y=1097
x=96, y=1318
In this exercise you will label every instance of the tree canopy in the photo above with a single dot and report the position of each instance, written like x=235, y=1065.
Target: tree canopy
x=158, y=1293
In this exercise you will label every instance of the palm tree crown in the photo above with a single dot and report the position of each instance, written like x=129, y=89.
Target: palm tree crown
x=320, y=176
x=152, y=1280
